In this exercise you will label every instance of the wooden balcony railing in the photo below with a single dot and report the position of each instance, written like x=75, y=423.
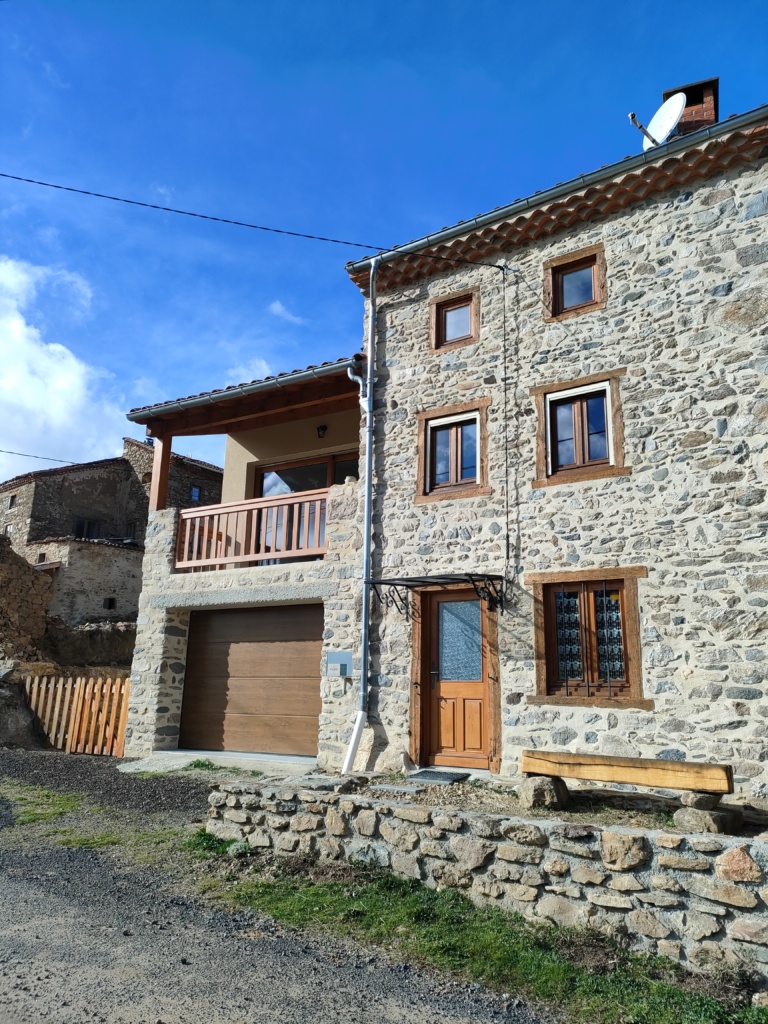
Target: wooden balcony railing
x=262, y=531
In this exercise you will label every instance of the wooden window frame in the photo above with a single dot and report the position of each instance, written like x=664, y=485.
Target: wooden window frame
x=329, y=458
x=541, y=584
x=544, y=395
x=437, y=309
x=431, y=418
x=554, y=269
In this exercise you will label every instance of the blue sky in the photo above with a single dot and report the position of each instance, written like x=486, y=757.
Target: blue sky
x=375, y=122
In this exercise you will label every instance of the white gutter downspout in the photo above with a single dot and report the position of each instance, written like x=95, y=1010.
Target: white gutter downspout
x=366, y=401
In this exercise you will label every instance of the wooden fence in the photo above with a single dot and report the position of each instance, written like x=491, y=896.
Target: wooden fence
x=79, y=715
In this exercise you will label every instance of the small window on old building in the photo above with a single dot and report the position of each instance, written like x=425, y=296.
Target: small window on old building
x=11, y=501
x=8, y=529
x=85, y=529
x=130, y=531
x=454, y=321
x=110, y=603
x=42, y=557
x=575, y=283
x=194, y=494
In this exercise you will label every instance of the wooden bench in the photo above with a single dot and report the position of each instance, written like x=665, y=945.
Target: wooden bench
x=636, y=771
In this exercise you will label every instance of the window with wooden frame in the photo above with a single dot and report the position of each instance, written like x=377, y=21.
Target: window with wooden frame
x=311, y=474
x=452, y=452
x=580, y=433
x=587, y=637
x=575, y=283
x=454, y=320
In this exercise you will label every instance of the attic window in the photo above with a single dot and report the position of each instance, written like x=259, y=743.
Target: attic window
x=575, y=283
x=11, y=502
x=42, y=557
x=454, y=320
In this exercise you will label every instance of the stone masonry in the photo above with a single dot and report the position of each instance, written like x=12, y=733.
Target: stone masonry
x=686, y=316
x=168, y=598
x=693, y=898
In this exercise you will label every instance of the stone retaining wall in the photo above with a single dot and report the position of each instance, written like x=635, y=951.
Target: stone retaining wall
x=694, y=898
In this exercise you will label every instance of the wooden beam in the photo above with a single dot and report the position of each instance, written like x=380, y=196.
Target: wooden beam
x=227, y=412
x=158, y=489
x=273, y=419
x=637, y=771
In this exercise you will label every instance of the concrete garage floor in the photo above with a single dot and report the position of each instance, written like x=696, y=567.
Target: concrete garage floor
x=271, y=765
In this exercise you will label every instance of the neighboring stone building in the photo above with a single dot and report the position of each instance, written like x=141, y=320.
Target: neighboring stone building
x=570, y=437
x=85, y=525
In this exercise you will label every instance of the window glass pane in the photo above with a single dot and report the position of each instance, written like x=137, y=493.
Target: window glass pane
x=565, y=446
x=577, y=286
x=290, y=481
x=469, y=451
x=568, y=627
x=456, y=322
x=460, y=637
x=441, y=473
x=596, y=428
x=610, y=643
x=344, y=468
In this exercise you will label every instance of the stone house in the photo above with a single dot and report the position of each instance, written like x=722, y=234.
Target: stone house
x=569, y=430
x=84, y=524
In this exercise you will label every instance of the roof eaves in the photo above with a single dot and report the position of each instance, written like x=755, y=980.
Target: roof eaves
x=280, y=380
x=542, y=197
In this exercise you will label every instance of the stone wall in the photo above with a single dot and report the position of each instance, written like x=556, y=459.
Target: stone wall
x=687, y=305
x=24, y=598
x=168, y=598
x=92, y=573
x=693, y=898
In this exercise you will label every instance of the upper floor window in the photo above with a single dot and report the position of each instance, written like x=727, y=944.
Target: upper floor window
x=454, y=320
x=575, y=283
x=580, y=434
x=11, y=501
x=8, y=530
x=85, y=529
x=194, y=494
x=452, y=451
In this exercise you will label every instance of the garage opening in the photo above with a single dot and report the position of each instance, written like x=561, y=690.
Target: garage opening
x=253, y=680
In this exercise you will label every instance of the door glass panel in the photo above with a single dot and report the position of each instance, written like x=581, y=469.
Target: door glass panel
x=290, y=481
x=344, y=468
x=568, y=625
x=460, y=640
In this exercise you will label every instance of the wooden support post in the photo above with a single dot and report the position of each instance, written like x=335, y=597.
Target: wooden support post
x=158, y=491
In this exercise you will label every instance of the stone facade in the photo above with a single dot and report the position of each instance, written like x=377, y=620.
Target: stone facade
x=168, y=598
x=38, y=512
x=693, y=898
x=26, y=595
x=685, y=317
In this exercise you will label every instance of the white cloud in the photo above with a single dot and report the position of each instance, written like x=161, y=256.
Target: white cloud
x=252, y=369
x=53, y=403
x=276, y=308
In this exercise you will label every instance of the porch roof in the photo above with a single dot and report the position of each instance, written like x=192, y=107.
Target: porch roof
x=321, y=388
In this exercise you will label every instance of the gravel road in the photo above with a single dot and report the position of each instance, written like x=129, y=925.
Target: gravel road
x=85, y=938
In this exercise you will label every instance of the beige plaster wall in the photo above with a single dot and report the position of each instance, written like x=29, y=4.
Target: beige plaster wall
x=296, y=440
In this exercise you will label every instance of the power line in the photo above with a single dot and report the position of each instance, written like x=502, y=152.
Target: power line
x=25, y=455
x=238, y=223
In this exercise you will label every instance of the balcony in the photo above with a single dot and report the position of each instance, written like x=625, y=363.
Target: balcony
x=264, y=531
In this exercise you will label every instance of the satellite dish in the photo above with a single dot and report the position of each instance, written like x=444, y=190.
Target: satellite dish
x=663, y=122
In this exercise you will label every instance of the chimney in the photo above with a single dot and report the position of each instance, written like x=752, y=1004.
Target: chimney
x=702, y=105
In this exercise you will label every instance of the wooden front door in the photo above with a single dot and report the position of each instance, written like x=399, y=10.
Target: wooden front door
x=456, y=680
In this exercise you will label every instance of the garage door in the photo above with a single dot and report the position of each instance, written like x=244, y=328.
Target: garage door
x=253, y=680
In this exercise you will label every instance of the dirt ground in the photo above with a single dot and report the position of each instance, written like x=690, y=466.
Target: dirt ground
x=92, y=935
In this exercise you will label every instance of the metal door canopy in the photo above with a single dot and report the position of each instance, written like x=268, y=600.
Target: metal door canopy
x=489, y=587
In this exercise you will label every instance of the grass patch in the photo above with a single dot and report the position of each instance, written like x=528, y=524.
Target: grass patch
x=76, y=840
x=202, y=764
x=33, y=805
x=202, y=844
x=584, y=975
